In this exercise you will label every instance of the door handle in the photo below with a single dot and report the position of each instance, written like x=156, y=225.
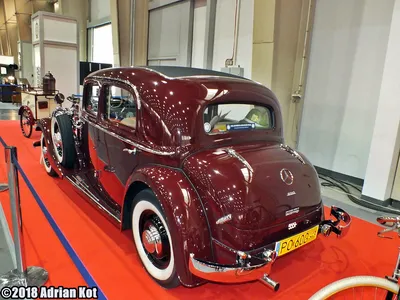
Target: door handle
x=130, y=151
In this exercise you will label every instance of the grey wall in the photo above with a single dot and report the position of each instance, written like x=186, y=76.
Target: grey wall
x=348, y=49
x=170, y=34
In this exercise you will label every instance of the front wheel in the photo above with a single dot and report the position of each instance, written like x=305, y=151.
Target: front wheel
x=153, y=239
x=44, y=158
x=367, y=287
x=25, y=123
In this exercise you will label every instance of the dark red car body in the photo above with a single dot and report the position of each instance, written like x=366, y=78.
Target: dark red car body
x=192, y=174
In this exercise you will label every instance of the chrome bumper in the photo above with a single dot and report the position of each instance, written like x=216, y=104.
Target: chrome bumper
x=254, y=268
x=247, y=269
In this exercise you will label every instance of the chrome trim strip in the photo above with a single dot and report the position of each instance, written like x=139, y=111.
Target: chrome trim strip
x=93, y=198
x=127, y=82
x=224, y=219
x=138, y=146
x=236, y=155
x=293, y=153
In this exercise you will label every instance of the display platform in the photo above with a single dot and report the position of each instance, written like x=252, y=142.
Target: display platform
x=111, y=258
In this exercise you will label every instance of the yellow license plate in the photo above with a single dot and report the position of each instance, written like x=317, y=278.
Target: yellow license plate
x=294, y=242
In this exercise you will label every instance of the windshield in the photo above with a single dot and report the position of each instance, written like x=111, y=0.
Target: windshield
x=221, y=118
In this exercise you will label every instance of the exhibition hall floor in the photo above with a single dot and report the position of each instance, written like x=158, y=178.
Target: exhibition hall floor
x=111, y=258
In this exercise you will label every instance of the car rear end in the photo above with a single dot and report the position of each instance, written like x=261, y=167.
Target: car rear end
x=262, y=198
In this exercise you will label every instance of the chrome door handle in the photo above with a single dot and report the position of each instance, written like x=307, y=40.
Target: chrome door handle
x=130, y=151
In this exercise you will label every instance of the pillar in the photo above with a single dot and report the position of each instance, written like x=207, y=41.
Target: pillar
x=23, y=12
x=263, y=41
x=209, y=34
x=115, y=31
x=281, y=33
x=40, y=5
x=5, y=46
x=122, y=28
x=141, y=28
x=11, y=27
x=385, y=144
x=80, y=10
x=129, y=20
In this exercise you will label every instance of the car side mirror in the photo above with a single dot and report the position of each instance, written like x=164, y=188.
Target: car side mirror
x=60, y=98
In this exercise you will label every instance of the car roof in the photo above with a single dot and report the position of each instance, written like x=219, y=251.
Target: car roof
x=177, y=95
x=179, y=72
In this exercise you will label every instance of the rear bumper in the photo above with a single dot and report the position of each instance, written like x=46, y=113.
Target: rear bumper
x=258, y=267
x=230, y=273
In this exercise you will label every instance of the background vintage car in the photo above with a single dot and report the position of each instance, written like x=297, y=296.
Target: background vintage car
x=167, y=152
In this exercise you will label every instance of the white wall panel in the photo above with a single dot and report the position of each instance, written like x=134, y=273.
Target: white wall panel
x=224, y=33
x=59, y=30
x=170, y=33
x=62, y=63
x=348, y=49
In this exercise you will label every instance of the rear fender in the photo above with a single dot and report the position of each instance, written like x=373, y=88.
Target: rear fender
x=184, y=213
x=25, y=108
x=44, y=125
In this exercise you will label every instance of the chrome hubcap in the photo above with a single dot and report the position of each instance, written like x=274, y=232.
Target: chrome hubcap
x=152, y=240
x=57, y=139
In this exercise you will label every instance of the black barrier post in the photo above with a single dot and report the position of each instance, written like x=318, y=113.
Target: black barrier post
x=21, y=276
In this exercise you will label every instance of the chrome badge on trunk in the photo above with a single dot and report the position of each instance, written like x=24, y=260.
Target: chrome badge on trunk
x=292, y=211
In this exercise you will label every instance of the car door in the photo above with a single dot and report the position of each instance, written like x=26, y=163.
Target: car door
x=90, y=113
x=119, y=123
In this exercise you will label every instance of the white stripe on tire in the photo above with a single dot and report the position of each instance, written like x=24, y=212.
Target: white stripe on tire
x=157, y=273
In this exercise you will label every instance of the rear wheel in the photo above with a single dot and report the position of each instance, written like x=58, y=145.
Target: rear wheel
x=359, y=287
x=153, y=239
x=26, y=124
x=63, y=140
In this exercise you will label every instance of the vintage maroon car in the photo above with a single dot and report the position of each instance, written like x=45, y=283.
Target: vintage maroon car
x=194, y=162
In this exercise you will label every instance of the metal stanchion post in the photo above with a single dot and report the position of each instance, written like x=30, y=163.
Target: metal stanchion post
x=21, y=276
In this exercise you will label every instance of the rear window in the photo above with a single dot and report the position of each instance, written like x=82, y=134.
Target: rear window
x=222, y=118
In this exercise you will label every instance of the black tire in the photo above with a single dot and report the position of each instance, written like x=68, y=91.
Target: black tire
x=65, y=153
x=25, y=128
x=143, y=205
x=43, y=147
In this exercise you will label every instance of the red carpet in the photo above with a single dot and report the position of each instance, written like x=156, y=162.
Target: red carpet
x=110, y=255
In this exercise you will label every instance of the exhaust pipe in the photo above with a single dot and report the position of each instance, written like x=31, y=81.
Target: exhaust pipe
x=270, y=283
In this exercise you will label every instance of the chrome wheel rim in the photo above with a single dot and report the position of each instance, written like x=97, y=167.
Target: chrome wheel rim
x=155, y=240
x=44, y=153
x=57, y=141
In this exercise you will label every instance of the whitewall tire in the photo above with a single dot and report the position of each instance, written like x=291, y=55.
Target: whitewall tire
x=153, y=240
x=44, y=159
x=63, y=140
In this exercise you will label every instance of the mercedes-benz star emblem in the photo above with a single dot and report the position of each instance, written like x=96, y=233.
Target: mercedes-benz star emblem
x=286, y=176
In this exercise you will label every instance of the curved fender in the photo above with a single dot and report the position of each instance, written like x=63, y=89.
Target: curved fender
x=185, y=216
x=30, y=114
x=44, y=125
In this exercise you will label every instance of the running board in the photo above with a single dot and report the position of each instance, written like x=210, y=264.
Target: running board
x=82, y=186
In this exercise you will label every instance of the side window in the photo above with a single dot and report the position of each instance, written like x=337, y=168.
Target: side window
x=92, y=98
x=120, y=106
